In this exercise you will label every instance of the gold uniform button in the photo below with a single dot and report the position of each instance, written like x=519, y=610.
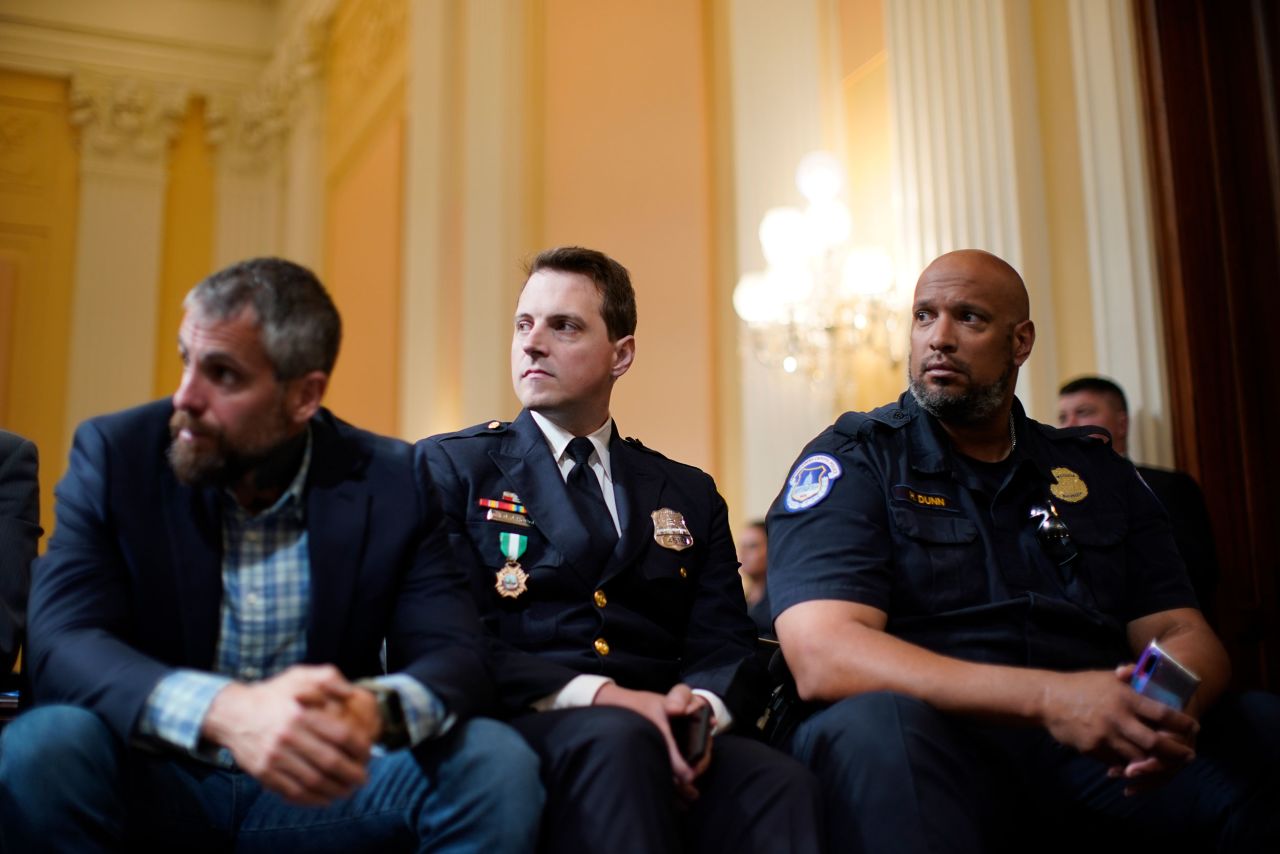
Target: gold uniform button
x=684, y=573
x=494, y=425
x=602, y=646
x=600, y=599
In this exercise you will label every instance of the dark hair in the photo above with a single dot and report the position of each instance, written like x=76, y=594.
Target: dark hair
x=1101, y=385
x=300, y=326
x=618, y=299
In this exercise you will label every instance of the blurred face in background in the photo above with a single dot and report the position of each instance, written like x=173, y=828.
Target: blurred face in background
x=753, y=553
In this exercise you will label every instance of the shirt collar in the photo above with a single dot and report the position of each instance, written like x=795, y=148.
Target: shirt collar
x=558, y=439
x=290, y=501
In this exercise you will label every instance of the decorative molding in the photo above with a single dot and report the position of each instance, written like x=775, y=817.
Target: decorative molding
x=125, y=120
x=364, y=43
x=250, y=124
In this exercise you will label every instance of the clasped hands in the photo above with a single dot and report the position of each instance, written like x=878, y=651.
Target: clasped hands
x=305, y=733
x=659, y=709
x=1142, y=740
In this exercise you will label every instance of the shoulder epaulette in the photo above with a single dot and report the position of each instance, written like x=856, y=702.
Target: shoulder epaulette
x=640, y=446
x=1086, y=432
x=891, y=415
x=488, y=428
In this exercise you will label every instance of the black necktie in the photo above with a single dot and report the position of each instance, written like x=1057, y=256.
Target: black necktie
x=588, y=500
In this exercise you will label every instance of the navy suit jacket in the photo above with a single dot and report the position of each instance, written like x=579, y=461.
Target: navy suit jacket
x=131, y=584
x=19, y=534
x=668, y=616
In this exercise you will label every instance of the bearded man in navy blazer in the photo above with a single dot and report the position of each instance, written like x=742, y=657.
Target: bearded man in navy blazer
x=607, y=575
x=206, y=626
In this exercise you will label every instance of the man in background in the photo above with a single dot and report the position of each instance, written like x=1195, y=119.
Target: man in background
x=1099, y=402
x=753, y=559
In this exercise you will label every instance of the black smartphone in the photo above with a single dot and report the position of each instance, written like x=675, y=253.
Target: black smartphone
x=692, y=734
x=1158, y=675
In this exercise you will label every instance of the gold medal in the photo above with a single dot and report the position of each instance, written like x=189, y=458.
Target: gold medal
x=1069, y=486
x=669, y=529
x=512, y=580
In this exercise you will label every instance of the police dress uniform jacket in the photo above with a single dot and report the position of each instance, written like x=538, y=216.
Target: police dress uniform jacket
x=19, y=534
x=131, y=585
x=881, y=511
x=651, y=617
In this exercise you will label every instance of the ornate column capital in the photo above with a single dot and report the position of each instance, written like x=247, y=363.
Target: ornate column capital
x=248, y=126
x=125, y=121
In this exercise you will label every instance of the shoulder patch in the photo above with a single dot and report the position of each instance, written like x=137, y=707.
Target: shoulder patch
x=811, y=481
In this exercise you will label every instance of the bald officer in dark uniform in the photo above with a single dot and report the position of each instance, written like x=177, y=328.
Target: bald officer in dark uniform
x=607, y=574
x=957, y=589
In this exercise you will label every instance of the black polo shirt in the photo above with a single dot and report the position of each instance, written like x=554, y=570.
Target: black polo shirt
x=880, y=510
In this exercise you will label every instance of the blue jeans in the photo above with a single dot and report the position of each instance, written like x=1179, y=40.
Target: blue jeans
x=67, y=784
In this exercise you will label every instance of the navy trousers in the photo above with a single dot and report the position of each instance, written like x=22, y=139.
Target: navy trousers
x=900, y=776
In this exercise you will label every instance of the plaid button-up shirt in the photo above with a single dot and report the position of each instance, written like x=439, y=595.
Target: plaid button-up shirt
x=266, y=595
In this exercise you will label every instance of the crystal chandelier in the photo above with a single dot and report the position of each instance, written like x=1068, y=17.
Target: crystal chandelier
x=821, y=300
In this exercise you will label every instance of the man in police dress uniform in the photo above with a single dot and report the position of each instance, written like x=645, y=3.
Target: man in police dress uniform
x=956, y=589
x=617, y=592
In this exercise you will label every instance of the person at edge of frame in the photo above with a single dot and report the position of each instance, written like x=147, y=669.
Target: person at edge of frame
x=206, y=625
x=960, y=593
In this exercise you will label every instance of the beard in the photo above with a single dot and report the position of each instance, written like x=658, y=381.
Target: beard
x=947, y=403
x=226, y=461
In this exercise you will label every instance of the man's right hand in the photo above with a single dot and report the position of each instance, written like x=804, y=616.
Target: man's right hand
x=1099, y=714
x=279, y=731
x=659, y=709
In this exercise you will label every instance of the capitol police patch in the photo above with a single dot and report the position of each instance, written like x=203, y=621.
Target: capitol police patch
x=811, y=481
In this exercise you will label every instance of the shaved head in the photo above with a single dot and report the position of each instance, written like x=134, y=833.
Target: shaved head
x=971, y=332
x=995, y=274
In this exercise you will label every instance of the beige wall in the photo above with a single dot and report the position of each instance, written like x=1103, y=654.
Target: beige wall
x=1072, y=313
x=187, y=250
x=38, y=177
x=868, y=154
x=364, y=177
x=627, y=170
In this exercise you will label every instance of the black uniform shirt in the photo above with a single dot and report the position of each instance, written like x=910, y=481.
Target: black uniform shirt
x=880, y=510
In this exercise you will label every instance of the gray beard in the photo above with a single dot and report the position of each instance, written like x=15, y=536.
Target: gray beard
x=978, y=403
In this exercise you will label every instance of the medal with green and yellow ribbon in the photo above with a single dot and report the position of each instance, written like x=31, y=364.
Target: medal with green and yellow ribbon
x=512, y=579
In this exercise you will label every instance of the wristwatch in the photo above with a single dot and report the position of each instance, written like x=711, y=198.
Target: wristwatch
x=395, y=732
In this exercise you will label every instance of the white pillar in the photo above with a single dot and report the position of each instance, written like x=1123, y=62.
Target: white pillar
x=247, y=179
x=125, y=125
x=968, y=150
x=1126, y=312
x=467, y=216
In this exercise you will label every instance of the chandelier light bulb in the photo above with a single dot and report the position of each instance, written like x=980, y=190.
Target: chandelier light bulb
x=757, y=299
x=820, y=176
x=868, y=271
x=784, y=238
x=830, y=223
